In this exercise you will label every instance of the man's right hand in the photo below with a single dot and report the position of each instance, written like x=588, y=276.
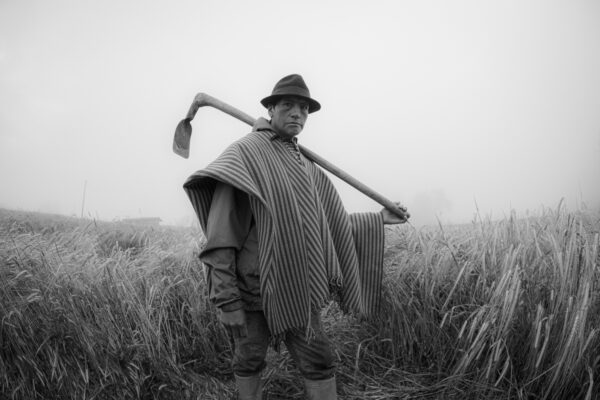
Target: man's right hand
x=235, y=322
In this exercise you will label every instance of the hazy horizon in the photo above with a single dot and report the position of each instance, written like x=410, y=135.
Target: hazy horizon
x=449, y=108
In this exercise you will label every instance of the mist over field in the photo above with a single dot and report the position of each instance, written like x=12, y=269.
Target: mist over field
x=452, y=108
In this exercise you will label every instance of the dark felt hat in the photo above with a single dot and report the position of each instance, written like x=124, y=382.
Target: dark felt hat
x=291, y=85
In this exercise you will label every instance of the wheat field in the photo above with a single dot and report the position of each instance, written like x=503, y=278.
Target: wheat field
x=503, y=309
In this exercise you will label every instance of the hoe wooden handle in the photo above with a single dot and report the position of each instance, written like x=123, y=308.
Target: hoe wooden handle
x=349, y=179
x=203, y=99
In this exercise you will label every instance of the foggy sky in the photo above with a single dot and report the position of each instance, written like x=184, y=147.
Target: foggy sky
x=448, y=107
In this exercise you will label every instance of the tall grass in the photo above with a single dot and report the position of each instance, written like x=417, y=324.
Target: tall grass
x=504, y=309
x=511, y=305
x=84, y=319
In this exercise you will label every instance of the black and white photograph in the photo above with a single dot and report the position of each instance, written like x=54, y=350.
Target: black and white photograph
x=355, y=200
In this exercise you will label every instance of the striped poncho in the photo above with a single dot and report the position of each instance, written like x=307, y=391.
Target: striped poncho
x=308, y=246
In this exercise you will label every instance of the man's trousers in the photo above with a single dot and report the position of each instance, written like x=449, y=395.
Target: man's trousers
x=315, y=358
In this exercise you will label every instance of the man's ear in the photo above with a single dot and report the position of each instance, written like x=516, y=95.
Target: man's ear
x=270, y=110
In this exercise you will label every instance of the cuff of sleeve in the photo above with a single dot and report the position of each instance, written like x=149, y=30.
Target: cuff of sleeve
x=233, y=306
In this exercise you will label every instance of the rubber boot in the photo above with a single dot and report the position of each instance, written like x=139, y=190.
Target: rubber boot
x=321, y=390
x=249, y=387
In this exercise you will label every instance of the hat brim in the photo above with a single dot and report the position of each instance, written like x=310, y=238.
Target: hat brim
x=313, y=105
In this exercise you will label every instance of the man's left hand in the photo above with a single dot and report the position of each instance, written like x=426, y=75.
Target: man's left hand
x=390, y=218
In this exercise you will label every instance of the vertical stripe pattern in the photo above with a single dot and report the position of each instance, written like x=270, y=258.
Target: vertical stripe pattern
x=308, y=244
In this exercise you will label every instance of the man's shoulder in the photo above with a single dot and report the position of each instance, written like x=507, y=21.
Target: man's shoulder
x=250, y=140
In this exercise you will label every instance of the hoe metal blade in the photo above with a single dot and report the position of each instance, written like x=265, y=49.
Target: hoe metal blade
x=181, y=140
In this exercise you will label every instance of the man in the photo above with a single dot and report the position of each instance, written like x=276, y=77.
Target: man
x=280, y=245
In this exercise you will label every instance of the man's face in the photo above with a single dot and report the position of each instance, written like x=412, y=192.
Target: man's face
x=288, y=116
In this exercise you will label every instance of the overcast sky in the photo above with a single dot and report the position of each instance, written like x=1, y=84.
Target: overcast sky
x=443, y=105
